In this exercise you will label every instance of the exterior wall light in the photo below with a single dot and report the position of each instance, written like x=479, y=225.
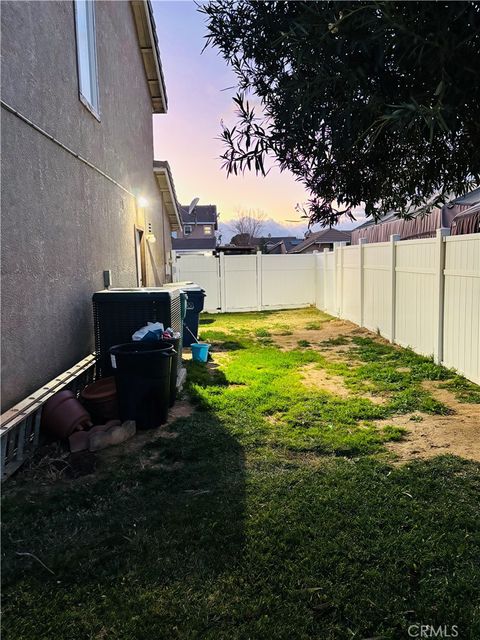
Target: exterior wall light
x=142, y=202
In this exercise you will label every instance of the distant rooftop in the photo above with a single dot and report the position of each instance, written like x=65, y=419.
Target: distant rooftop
x=202, y=214
x=472, y=197
x=325, y=236
x=195, y=244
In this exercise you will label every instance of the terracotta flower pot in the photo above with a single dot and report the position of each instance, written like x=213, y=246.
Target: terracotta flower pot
x=62, y=414
x=100, y=398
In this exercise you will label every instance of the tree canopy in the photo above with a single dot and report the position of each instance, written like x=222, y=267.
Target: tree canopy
x=366, y=102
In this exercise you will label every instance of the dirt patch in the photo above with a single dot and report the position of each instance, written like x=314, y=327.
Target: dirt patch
x=167, y=435
x=181, y=409
x=457, y=434
x=315, y=378
x=54, y=463
x=329, y=331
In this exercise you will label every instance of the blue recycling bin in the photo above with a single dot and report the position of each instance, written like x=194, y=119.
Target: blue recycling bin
x=195, y=303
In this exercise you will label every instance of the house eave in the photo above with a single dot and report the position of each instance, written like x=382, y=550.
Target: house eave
x=167, y=189
x=145, y=25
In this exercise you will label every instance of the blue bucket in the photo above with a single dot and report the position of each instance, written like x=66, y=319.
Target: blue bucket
x=200, y=351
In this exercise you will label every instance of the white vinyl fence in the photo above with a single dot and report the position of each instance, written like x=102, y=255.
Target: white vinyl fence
x=422, y=294
x=250, y=283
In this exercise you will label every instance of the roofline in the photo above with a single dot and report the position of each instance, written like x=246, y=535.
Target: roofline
x=458, y=199
x=299, y=248
x=192, y=224
x=172, y=207
x=318, y=240
x=474, y=208
x=147, y=40
x=185, y=208
x=277, y=244
x=235, y=246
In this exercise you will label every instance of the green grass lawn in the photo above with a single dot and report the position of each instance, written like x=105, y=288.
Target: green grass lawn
x=284, y=518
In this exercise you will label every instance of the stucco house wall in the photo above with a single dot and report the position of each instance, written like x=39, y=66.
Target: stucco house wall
x=63, y=222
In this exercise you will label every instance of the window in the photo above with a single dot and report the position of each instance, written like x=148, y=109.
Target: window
x=207, y=230
x=87, y=54
x=187, y=229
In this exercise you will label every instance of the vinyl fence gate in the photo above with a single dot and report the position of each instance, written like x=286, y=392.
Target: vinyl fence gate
x=250, y=282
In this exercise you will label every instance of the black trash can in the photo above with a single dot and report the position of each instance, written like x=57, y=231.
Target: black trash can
x=195, y=302
x=143, y=378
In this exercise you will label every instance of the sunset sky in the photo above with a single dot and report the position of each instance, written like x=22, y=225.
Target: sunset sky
x=187, y=135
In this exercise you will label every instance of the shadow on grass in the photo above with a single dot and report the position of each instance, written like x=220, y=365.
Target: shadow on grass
x=229, y=345
x=171, y=514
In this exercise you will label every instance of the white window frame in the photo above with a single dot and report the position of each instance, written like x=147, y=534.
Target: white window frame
x=190, y=229
x=92, y=103
x=207, y=230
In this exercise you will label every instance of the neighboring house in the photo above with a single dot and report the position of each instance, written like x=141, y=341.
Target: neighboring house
x=245, y=240
x=277, y=245
x=268, y=244
x=422, y=226
x=461, y=204
x=467, y=221
x=198, y=232
x=322, y=240
x=80, y=81
x=466, y=210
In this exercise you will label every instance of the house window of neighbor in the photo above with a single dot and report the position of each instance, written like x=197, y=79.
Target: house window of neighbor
x=207, y=230
x=187, y=229
x=87, y=54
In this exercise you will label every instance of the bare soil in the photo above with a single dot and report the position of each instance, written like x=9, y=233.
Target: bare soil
x=457, y=434
x=316, y=378
x=181, y=409
x=428, y=435
x=54, y=462
x=330, y=330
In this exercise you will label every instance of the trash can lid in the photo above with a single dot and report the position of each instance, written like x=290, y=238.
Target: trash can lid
x=140, y=347
x=185, y=286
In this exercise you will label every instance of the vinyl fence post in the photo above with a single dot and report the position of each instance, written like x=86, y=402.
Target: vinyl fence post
x=325, y=279
x=259, y=265
x=338, y=248
x=439, y=293
x=335, y=281
x=223, y=288
x=393, y=283
x=315, y=277
x=361, y=259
